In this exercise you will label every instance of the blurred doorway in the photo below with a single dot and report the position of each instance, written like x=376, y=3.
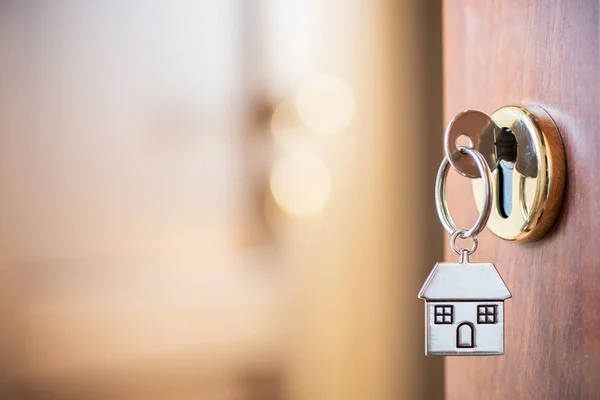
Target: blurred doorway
x=213, y=200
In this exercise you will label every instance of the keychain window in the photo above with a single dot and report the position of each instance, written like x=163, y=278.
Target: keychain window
x=486, y=314
x=444, y=315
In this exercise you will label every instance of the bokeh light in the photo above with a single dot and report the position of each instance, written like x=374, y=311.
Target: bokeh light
x=326, y=104
x=300, y=185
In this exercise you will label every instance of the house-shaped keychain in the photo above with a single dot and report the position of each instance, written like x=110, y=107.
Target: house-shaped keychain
x=464, y=309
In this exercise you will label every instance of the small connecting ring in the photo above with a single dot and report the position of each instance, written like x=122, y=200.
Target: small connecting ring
x=461, y=233
x=440, y=195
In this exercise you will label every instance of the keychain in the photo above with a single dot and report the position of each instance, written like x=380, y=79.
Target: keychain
x=464, y=302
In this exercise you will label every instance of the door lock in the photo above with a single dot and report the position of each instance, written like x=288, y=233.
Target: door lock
x=525, y=153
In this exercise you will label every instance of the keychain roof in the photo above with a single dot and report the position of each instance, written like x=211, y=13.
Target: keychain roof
x=464, y=281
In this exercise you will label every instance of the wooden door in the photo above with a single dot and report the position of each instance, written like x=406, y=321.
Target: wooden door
x=498, y=53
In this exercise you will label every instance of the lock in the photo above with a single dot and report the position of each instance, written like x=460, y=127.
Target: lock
x=525, y=152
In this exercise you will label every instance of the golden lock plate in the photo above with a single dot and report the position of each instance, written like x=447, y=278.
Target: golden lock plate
x=528, y=192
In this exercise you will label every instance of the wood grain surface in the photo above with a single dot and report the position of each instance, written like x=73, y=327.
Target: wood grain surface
x=503, y=52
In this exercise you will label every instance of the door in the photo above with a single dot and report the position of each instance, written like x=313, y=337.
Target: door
x=497, y=53
x=464, y=336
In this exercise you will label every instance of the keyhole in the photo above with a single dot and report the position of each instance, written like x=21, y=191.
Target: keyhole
x=506, y=151
x=505, y=188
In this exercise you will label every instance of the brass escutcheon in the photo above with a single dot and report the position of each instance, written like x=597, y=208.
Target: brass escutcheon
x=537, y=178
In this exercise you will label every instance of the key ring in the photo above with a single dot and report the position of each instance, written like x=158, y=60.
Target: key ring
x=441, y=204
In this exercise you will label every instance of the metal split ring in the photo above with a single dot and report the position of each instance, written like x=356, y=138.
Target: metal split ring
x=460, y=233
x=442, y=206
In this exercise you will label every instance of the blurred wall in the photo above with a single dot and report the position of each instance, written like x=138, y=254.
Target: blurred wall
x=363, y=334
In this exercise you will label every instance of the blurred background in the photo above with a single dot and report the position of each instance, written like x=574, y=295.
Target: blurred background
x=218, y=199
